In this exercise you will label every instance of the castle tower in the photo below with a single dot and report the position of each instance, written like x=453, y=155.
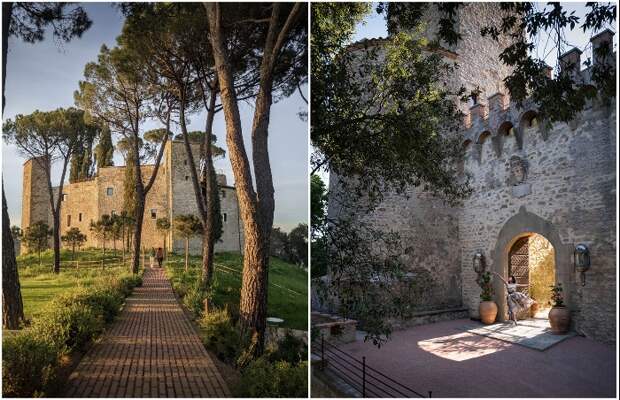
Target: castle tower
x=35, y=201
x=479, y=66
x=182, y=200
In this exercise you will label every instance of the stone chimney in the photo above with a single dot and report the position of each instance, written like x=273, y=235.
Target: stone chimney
x=602, y=40
x=549, y=72
x=478, y=112
x=221, y=179
x=497, y=102
x=570, y=63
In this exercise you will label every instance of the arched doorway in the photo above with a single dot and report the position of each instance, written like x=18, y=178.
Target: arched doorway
x=525, y=224
x=531, y=260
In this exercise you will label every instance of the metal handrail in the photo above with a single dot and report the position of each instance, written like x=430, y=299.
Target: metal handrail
x=372, y=381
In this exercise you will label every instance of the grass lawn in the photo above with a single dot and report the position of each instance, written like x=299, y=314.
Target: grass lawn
x=39, y=284
x=288, y=285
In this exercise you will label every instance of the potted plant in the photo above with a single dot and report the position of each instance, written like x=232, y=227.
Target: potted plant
x=559, y=315
x=487, y=307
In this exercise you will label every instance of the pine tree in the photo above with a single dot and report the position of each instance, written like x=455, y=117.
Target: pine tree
x=104, y=151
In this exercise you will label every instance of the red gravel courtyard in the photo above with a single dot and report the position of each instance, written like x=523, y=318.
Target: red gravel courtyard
x=449, y=361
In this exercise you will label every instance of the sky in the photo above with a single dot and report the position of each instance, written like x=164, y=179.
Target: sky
x=43, y=76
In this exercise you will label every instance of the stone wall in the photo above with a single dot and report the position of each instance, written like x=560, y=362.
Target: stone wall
x=527, y=178
x=567, y=195
x=86, y=201
x=183, y=201
x=428, y=230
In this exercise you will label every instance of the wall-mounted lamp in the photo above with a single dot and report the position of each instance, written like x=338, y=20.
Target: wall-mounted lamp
x=478, y=262
x=581, y=259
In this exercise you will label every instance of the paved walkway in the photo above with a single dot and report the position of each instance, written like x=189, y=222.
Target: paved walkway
x=451, y=362
x=150, y=351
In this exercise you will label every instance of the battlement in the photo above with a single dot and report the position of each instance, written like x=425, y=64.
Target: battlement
x=498, y=116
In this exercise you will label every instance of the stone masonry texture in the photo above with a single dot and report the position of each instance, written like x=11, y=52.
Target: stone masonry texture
x=172, y=194
x=567, y=193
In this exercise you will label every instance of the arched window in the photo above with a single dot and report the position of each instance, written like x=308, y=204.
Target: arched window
x=506, y=129
x=484, y=140
x=529, y=119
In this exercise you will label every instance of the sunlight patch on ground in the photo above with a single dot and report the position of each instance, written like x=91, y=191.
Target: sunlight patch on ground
x=462, y=346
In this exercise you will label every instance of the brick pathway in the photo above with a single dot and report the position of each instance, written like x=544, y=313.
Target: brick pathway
x=150, y=351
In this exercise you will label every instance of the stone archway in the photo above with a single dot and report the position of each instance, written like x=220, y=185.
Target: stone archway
x=522, y=224
x=531, y=260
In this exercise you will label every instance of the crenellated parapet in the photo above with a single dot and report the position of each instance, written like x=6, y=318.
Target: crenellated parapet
x=498, y=117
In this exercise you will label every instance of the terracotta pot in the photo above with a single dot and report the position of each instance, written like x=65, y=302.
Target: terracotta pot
x=488, y=311
x=534, y=309
x=559, y=319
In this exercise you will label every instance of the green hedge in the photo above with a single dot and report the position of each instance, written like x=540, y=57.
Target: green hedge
x=30, y=357
x=280, y=372
x=261, y=378
x=28, y=365
x=220, y=335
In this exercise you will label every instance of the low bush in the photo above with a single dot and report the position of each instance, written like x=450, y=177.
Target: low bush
x=261, y=378
x=104, y=300
x=68, y=326
x=68, y=322
x=194, y=299
x=290, y=349
x=28, y=364
x=220, y=335
x=128, y=282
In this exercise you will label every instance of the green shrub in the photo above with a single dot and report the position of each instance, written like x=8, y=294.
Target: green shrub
x=105, y=301
x=128, y=282
x=28, y=364
x=261, y=378
x=68, y=325
x=194, y=299
x=290, y=349
x=219, y=334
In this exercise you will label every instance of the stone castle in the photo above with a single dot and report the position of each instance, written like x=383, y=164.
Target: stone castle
x=172, y=194
x=529, y=184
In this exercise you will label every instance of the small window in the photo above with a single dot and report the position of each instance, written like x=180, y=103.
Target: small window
x=80, y=217
x=154, y=213
x=64, y=197
x=109, y=191
x=68, y=220
x=223, y=194
x=184, y=162
x=225, y=216
x=187, y=177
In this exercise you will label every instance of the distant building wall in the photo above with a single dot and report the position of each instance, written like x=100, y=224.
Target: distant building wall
x=172, y=194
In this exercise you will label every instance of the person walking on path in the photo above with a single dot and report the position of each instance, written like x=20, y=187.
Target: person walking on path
x=517, y=301
x=160, y=256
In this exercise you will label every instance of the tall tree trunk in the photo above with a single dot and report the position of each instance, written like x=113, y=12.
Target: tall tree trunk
x=208, y=239
x=7, y=11
x=57, y=205
x=137, y=235
x=56, y=239
x=186, y=254
x=141, y=192
x=123, y=242
x=12, y=305
x=253, y=305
